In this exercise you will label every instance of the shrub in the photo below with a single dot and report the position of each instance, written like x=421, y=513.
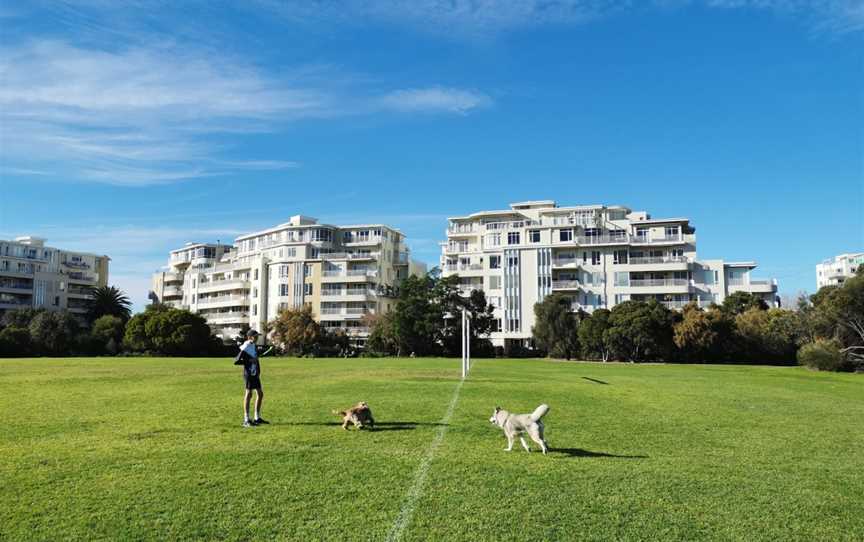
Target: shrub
x=14, y=341
x=823, y=355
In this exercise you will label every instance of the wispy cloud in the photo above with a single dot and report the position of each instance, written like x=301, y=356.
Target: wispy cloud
x=436, y=99
x=482, y=18
x=146, y=115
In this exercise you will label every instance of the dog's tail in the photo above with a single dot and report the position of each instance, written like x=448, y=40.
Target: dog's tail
x=339, y=413
x=539, y=412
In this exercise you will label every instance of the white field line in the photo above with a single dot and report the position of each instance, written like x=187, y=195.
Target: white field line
x=416, y=491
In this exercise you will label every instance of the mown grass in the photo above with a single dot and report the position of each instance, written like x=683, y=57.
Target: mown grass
x=152, y=448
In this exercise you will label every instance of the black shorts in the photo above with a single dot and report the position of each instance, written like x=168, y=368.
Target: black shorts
x=252, y=382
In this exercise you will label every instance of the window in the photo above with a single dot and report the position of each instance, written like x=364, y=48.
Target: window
x=513, y=261
x=672, y=231
x=619, y=257
x=495, y=327
x=283, y=290
x=533, y=236
x=494, y=283
x=513, y=324
x=494, y=262
x=565, y=235
x=592, y=232
x=493, y=239
x=256, y=275
x=513, y=238
x=642, y=233
x=595, y=257
x=254, y=310
x=584, y=257
x=307, y=289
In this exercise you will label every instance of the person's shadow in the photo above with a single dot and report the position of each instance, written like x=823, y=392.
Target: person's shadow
x=579, y=452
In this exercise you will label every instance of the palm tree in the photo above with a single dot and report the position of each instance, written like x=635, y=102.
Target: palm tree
x=108, y=300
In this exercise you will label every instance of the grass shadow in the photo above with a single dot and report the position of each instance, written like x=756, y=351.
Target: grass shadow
x=594, y=380
x=579, y=452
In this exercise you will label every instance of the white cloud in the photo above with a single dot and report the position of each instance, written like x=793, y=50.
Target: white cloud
x=142, y=115
x=436, y=99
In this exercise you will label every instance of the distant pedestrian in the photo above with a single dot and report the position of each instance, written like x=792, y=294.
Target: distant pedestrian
x=250, y=359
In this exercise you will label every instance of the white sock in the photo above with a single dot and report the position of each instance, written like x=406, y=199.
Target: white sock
x=257, y=417
x=245, y=417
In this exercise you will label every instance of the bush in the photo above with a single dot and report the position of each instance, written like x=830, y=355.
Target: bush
x=822, y=355
x=14, y=341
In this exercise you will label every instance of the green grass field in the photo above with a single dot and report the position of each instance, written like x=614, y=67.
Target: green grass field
x=152, y=448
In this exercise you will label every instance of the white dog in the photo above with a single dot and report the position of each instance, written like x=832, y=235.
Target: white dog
x=516, y=424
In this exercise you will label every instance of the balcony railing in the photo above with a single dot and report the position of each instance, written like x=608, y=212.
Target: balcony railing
x=349, y=256
x=219, y=317
x=350, y=273
x=566, y=284
x=601, y=239
x=337, y=293
x=239, y=299
x=637, y=283
x=77, y=265
x=649, y=239
x=658, y=259
x=454, y=249
x=16, y=285
x=561, y=262
x=224, y=283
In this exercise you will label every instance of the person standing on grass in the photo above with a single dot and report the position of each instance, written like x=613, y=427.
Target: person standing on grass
x=249, y=358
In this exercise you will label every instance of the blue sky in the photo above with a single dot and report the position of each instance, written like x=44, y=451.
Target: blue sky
x=130, y=128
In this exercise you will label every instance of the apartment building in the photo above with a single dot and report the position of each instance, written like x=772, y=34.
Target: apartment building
x=833, y=271
x=343, y=272
x=33, y=275
x=597, y=255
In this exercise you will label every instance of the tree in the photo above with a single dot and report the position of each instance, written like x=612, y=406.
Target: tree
x=480, y=312
x=419, y=314
x=838, y=313
x=739, y=302
x=557, y=328
x=108, y=333
x=169, y=331
x=19, y=318
x=108, y=300
x=703, y=336
x=767, y=336
x=592, y=335
x=296, y=331
x=640, y=331
x=135, y=338
x=382, y=333
x=53, y=332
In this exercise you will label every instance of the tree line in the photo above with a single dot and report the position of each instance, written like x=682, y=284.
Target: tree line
x=825, y=332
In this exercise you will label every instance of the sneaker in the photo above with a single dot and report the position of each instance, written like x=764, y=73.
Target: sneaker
x=247, y=423
x=259, y=421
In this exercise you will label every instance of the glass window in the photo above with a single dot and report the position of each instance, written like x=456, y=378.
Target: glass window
x=513, y=238
x=565, y=235
x=595, y=257
x=494, y=262
x=533, y=236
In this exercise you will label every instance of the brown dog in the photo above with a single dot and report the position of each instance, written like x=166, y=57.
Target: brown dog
x=360, y=415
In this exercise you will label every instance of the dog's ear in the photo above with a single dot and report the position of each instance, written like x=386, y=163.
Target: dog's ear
x=497, y=408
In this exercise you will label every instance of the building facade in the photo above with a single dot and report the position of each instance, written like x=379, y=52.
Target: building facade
x=597, y=255
x=33, y=275
x=834, y=271
x=343, y=272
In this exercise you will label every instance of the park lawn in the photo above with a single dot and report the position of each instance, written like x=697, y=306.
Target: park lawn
x=152, y=448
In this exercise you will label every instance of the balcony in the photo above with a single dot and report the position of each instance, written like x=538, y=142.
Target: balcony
x=223, y=301
x=460, y=248
x=566, y=285
x=352, y=275
x=462, y=230
x=347, y=295
x=602, y=239
x=659, y=263
x=662, y=239
x=226, y=317
x=571, y=263
x=642, y=283
x=82, y=277
x=172, y=291
x=760, y=286
x=12, y=285
x=226, y=284
x=349, y=256
x=77, y=265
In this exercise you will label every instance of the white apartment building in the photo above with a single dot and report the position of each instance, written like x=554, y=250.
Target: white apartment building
x=33, y=275
x=343, y=272
x=597, y=255
x=833, y=271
